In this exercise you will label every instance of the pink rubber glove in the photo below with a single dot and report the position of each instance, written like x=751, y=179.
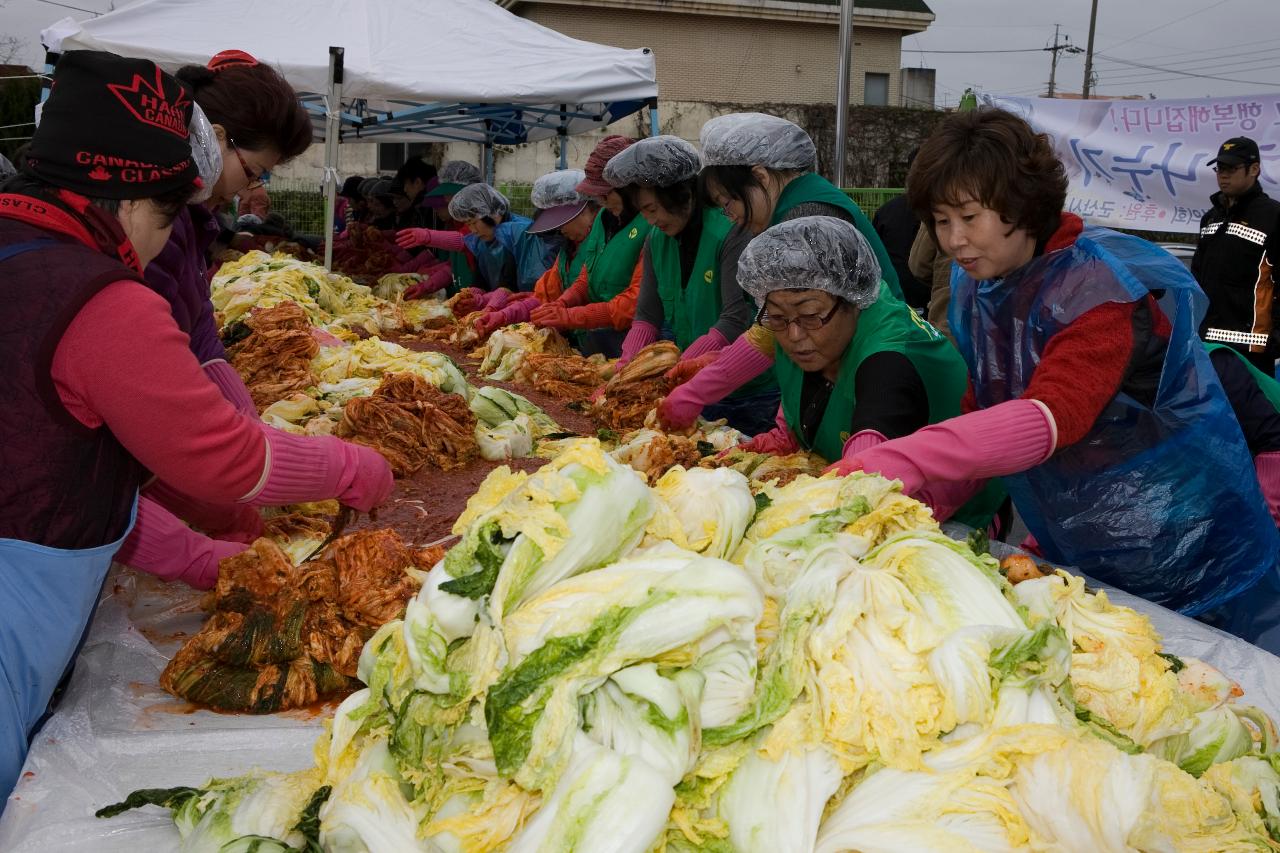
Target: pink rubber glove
x=232, y=522
x=161, y=545
x=712, y=341
x=438, y=278
x=1268, y=465
x=494, y=300
x=641, y=335
x=223, y=375
x=941, y=496
x=779, y=440
x=597, y=315
x=319, y=467
x=553, y=315
x=468, y=300
x=450, y=241
x=327, y=339
x=738, y=364
x=1004, y=439
x=517, y=311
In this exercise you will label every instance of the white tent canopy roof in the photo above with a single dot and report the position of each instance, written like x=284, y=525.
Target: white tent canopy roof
x=429, y=61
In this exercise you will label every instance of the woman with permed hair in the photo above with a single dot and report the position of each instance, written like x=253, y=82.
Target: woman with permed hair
x=1090, y=394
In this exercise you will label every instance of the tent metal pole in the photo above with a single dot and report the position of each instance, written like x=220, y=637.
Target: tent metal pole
x=655, y=129
x=563, y=133
x=333, y=118
x=842, y=88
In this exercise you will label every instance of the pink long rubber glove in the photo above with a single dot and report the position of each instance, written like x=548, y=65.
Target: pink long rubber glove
x=450, y=241
x=318, y=467
x=641, y=335
x=779, y=440
x=517, y=311
x=1268, y=465
x=942, y=496
x=233, y=522
x=494, y=300
x=223, y=375
x=161, y=545
x=1004, y=439
x=439, y=277
x=712, y=341
x=738, y=364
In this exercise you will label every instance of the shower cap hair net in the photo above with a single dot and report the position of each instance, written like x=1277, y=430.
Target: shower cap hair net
x=459, y=172
x=206, y=151
x=476, y=201
x=756, y=139
x=558, y=188
x=811, y=253
x=658, y=161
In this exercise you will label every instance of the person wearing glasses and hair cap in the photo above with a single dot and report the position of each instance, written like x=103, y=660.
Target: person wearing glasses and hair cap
x=689, y=280
x=856, y=365
x=758, y=168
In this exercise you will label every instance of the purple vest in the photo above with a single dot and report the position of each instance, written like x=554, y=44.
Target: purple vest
x=179, y=274
x=64, y=485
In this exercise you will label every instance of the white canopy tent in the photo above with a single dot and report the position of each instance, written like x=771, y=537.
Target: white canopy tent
x=449, y=70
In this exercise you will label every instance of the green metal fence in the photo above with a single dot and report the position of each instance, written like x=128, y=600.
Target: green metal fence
x=870, y=198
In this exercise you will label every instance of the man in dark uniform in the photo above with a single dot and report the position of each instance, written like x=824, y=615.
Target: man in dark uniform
x=1236, y=257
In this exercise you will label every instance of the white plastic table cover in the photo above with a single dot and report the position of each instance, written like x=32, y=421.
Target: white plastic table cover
x=116, y=730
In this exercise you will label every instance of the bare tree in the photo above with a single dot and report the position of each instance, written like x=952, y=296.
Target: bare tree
x=10, y=49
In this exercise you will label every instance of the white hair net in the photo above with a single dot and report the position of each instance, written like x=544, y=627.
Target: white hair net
x=658, y=161
x=206, y=151
x=556, y=188
x=811, y=253
x=459, y=172
x=757, y=139
x=476, y=201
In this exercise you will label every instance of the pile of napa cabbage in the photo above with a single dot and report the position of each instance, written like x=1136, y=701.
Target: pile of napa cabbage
x=599, y=665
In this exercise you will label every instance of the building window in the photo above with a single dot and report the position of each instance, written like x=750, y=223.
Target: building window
x=393, y=155
x=875, y=91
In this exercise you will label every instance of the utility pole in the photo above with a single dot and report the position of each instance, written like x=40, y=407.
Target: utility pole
x=1065, y=46
x=1087, y=89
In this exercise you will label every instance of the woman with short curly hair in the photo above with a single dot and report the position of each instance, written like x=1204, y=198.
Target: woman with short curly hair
x=1090, y=394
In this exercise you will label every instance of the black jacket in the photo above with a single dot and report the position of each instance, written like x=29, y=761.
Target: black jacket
x=1235, y=261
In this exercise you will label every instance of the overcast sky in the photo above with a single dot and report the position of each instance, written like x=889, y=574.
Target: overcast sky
x=1235, y=39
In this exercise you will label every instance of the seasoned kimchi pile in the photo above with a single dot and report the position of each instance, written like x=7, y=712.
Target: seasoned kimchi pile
x=275, y=359
x=411, y=422
x=564, y=377
x=282, y=636
x=633, y=392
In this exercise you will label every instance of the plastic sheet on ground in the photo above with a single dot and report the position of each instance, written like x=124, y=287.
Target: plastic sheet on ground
x=116, y=731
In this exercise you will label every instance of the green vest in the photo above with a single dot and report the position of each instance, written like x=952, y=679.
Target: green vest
x=812, y=187
x=569, y=267
x=690, y=308
x=888, y=325
x=462, y=273
x=611, y=263
x=1268, y=384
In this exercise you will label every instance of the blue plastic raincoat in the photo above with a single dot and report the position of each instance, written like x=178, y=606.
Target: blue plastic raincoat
x=1161, y=501
x=512, y=252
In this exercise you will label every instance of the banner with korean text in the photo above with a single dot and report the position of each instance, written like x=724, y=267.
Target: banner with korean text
x=1142, y=165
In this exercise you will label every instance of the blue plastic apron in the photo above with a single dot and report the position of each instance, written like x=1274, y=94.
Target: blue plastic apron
x=47, y=599
x=511, y=248
x=1161, y=501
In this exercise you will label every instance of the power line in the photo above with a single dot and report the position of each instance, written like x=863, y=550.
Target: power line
x=1224, y=67
x=1015, y=50
x=1188, y=73
x=1231, y=59
x=1138, y=81
x=1213, y=51
x=1166, y=24
x=73, y=8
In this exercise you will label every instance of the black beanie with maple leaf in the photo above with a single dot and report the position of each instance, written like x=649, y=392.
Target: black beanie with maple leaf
x=113, y=127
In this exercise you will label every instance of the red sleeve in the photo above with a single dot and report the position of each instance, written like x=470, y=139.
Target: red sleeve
x=969, y=402
x=1082, y=368
x=124, y=362
x=623, y=306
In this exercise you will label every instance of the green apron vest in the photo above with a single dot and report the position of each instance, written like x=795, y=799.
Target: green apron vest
x=1270, y=387
x=611, y=263
x=812, y=187
x=888, y=325
x=462, y=273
